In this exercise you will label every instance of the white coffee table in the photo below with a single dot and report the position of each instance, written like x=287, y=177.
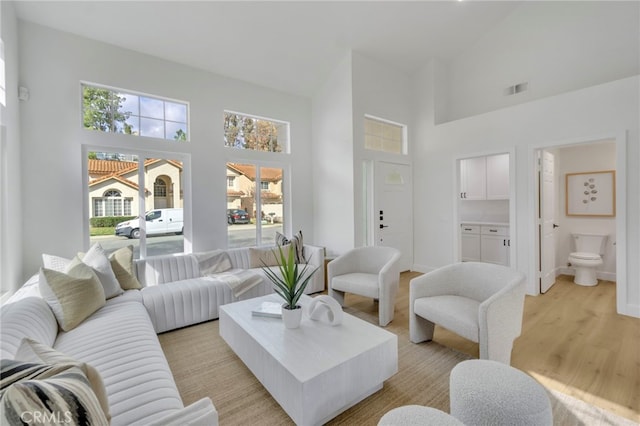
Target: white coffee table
x=316, y=371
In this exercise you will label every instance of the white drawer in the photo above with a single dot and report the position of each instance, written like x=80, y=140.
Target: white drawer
x=502, y=231
x=470, y=229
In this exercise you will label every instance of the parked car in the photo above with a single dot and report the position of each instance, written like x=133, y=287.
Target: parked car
x=237, y=216
x=158, y=221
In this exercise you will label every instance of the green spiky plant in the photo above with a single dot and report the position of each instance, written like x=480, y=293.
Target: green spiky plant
x=290, y=284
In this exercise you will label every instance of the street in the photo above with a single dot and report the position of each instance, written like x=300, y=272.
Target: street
x=238, y=236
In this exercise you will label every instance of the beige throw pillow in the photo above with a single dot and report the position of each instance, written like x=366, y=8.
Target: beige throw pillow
x=270, y=256
x=72, y=296
x=122, y=265
x=32, y=351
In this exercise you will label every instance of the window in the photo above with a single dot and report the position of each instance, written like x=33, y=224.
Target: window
x=253, y=133
x=3, y=84
x=119, y=192
x=231, y=181
x=111, y=204
x=264, y=208
x=382, y=135
x=115, y=111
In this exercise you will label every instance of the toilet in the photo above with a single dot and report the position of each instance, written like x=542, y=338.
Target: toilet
x=587, y=257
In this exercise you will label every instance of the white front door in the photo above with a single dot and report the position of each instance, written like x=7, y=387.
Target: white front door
x=393, y=218
x=547, y=226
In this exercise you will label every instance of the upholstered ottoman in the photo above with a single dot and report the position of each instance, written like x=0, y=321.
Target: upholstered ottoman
x=484, y=392
x=417, y=415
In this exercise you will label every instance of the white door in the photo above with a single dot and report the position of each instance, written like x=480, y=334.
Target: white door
x=547, y=226
x=393, y=218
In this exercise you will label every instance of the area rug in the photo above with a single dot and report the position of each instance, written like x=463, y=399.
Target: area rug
x=203, y=365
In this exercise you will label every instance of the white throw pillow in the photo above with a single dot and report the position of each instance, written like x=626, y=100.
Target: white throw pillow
x=72, y=296
x=97, y=258
x=55, y=263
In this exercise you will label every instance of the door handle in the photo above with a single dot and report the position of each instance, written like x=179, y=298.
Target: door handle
x=383, y=226
x=556, y=226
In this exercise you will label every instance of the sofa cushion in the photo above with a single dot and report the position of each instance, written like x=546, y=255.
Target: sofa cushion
x=27, y=317
x=297, y=242
x=268, y=256
x=122, y=264
x=97, y=258
x=61, y=393
x=32, y=351
x=72, y=296
x=119, y=341
x=102, y=265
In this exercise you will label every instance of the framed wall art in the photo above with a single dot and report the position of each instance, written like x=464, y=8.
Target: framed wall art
x=591, y=194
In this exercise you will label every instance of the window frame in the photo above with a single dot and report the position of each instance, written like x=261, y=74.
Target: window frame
x=185, y=158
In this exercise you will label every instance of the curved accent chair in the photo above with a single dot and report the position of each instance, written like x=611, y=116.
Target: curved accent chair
x=481, y=302
x=368, y=271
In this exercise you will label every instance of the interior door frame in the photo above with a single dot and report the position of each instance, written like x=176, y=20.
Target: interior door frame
x=457, y=246
x=620, y=139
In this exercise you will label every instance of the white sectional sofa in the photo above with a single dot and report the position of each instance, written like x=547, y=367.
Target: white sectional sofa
x=119, y=339
x=171, y=282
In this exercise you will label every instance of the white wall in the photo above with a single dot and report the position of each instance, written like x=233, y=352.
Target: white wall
x=10, y=182
x=610, y=108
x=556, y=46
x=53, y=63
x=384, y=92
x=581, y=159
x=333, y=175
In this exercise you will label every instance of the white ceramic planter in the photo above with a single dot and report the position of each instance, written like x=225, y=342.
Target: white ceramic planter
x=291, y=317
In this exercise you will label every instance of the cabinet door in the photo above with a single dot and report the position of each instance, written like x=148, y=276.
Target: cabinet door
x=473, y=178
x=494, y=249
x=470, y=247
x=498, y=177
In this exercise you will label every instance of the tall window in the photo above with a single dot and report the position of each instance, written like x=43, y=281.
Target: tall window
x=253, y=133
x=120, y=196
x=382, y=135
x=254, y=216
x=116, y=111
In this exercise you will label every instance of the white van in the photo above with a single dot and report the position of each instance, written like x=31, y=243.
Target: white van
x=158, y=221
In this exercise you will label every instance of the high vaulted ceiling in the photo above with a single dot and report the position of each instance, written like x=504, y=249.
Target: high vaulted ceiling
x=290, y=46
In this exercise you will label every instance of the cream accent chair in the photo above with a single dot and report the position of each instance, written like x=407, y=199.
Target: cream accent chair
x=481, y=302
x=368, y=271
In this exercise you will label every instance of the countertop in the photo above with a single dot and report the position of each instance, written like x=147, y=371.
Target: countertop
x=471, y=222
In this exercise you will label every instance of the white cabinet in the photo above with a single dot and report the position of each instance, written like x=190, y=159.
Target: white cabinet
x=498, y=177
x=485, y=243
x=473, y=184
x=470, y=243
x=494, y=244
x=485, y=178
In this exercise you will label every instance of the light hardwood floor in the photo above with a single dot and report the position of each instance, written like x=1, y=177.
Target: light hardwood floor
x=574, y=341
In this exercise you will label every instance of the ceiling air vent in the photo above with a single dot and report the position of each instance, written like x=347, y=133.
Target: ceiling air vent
x=516, y=88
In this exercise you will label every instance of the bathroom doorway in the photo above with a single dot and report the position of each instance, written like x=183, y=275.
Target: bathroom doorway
x=553, y=226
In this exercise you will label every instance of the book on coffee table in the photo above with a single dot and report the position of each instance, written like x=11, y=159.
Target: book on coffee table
x=268, y=309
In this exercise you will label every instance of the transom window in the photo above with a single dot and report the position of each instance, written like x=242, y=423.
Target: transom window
x=253, y=133
x=382, y=135
x=116, y=111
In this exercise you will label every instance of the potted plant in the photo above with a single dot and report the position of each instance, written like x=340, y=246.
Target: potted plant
x=289, y=284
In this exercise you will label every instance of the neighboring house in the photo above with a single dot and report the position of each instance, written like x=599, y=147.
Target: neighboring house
x=113, y=187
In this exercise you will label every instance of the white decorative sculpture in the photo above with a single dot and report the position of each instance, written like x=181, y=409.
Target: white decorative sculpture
x=325, y=308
